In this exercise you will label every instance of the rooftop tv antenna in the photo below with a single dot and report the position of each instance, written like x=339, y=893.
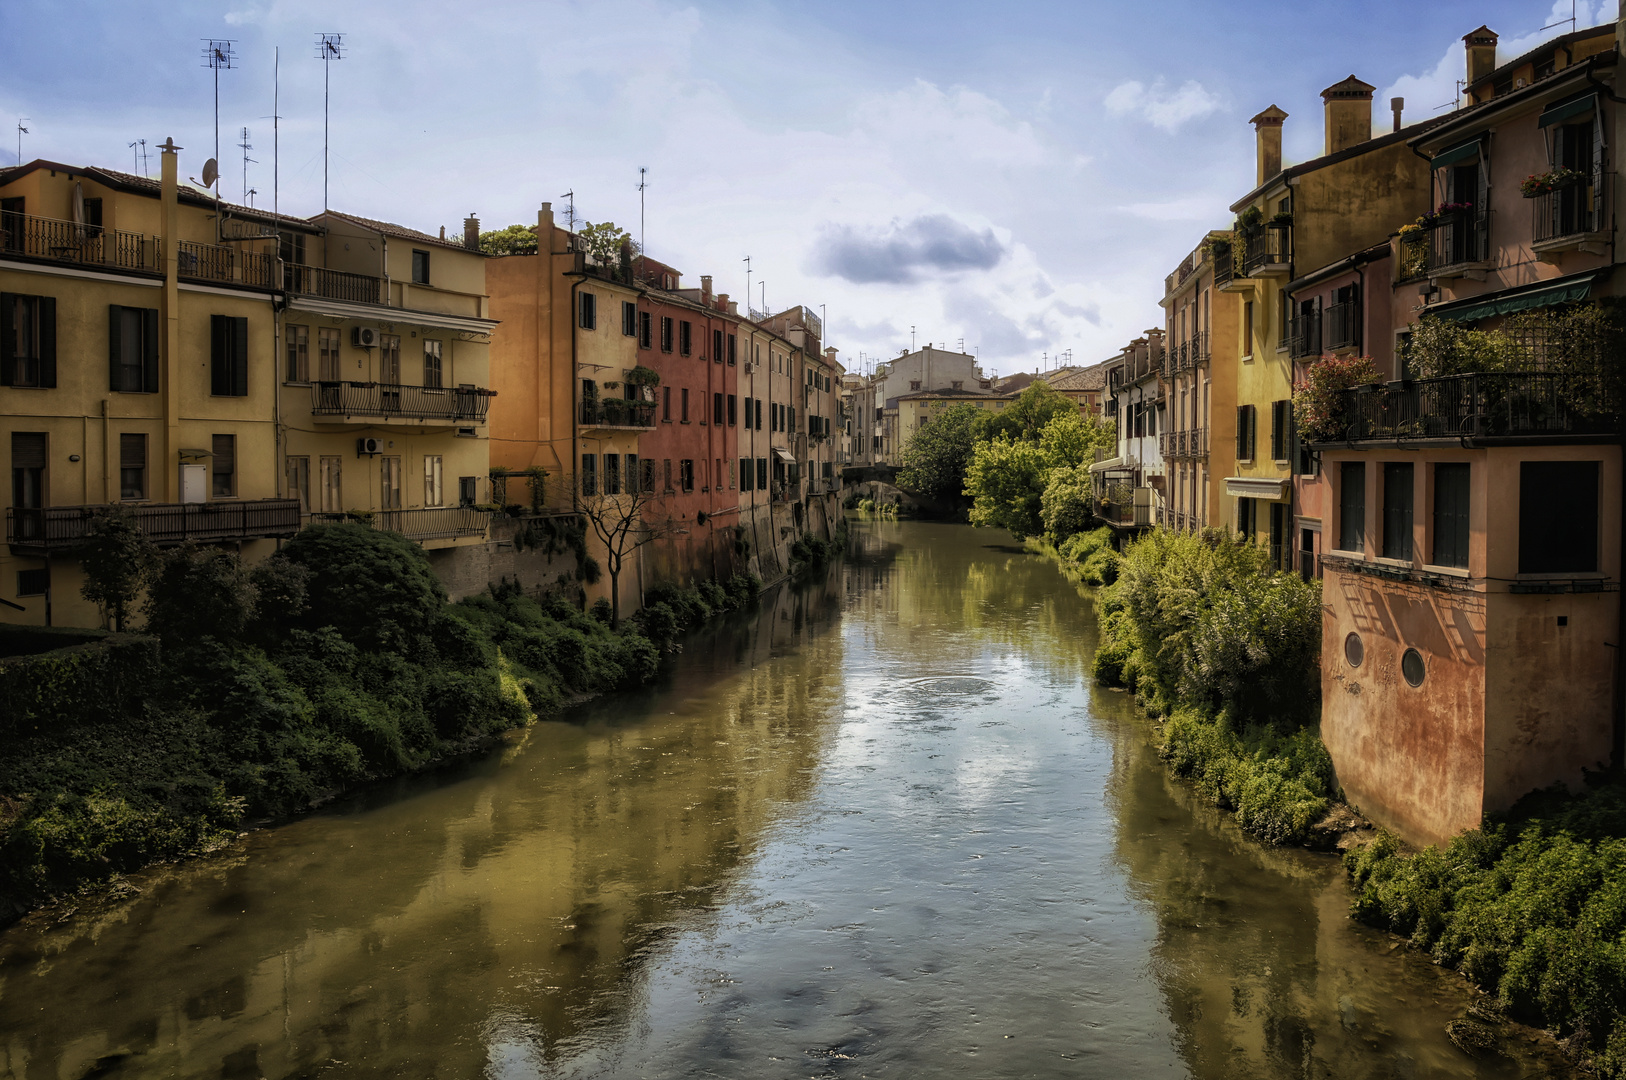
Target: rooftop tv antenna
x=1561, y=22
x=747, y=284
x=21, y=131
x=643, y=182
x=570, y=209
x=219, y=57
x=138, y=156
x=329, y=47
x=246, y=147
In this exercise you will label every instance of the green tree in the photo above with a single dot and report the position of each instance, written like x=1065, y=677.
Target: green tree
x=937, y=455
x=117, y=558
x=1066, y=506
x=1025, y=417
x=200, y=592
x=604, y=241
x=1006, y=482
x=514, y=240
x=374, y=587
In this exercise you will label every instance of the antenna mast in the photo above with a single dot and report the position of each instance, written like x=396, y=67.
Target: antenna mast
x=329, y=47
x=643, y=183
x=748, y=285
x=570, y=209
x=219, y=56
x=246, y=146
x=21, y=131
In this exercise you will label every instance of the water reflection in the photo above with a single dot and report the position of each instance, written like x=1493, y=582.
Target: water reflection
x=885, y=826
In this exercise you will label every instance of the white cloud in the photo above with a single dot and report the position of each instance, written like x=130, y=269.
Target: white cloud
x=1160, y=106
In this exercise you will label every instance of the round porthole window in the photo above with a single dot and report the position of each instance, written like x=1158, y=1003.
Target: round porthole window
x=1354, y=651
x=1412, y=667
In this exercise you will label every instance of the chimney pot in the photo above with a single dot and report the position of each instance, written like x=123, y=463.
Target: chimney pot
x=705, y=286
x=1397, y=104
x=1348, y=108
x=471, y=233
x=1481, y=49
x=1268, y=142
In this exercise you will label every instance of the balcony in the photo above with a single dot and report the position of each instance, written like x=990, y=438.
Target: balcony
x=1268, y=249
x=1412, y=257
x=615, y=414
x=1341, y=326
x=1572, y=217
x=1460, y=244
x=63, y=528
x=429, y=523
x=342, y=402
x=331, y=284
x=1186, y=442
x=215, y=262
x=81, y=245
x=1304, y=335
x=1501, y=405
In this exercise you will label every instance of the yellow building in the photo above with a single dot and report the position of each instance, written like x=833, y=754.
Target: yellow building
x=384, y=373
x=137, y=357
x=1200, y=371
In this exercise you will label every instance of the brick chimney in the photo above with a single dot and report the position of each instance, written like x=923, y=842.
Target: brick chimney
x=471, y=233
x=1481, y=46
x=544, y=229
x=1348, y=107
x=705, y=288
x=722, y=301
x=1268, y=134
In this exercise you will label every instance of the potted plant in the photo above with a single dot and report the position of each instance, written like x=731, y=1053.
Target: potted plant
x=1538, y=184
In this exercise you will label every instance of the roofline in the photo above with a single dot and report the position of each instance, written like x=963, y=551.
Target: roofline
x=1479, y=116
x=1553, y=43
x=1377, y=142
x=184, y=193
x=418, y=238
x=1333, y=269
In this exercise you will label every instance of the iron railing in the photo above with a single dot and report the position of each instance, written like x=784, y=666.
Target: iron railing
x=331, y=284
x=614, y=412
x=214, y=262
x=71, y=242
x=1341, y=326
x=1304, y=334
x=1412, y=257
x=54, y=528
x=1573, y=210
x=1266, y=246
x=428, y=523
x=1224, y=265
x=1494, y=405
x=393, y=400
x=1462, y=237
x=1185, y=442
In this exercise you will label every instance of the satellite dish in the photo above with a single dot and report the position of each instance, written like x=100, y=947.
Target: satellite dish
x=211, y=173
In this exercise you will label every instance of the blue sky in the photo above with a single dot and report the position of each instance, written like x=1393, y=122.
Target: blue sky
x=1017, y=176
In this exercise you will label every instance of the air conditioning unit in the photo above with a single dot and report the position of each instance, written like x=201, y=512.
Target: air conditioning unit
x=750, y=367
x=364, y=337
x=366, y=446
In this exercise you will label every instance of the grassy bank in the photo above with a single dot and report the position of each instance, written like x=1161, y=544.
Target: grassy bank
x=1223, y=651
x=252, y=694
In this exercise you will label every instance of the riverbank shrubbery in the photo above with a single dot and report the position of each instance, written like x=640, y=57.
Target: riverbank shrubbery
x=337, y=661
x=1092, y=554
x=1532, y=908
x=668, y=610
x=1208, y=635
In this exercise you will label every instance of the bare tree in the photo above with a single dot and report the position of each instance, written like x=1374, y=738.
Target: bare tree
x=625, y=513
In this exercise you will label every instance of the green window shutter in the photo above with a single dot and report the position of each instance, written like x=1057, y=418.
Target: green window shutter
x=115, y=317
x=47, y=333
x=239, y=356
x=8, y=338
x=219, y=355
x=149, y=350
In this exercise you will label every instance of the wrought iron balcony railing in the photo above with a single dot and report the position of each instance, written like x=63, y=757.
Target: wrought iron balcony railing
x=394, y=401
x=58, y=528
x=614, y=412
x=1341, y=326
x=1461, y=238
x=427, y=523
x=1412, y=257
x=1493, y=405
x=71, y=242
x=1573, y=210
x=1185, y=442
x=1267, y=246
x=331, y=284
x=217, y=262
x=1304, y=335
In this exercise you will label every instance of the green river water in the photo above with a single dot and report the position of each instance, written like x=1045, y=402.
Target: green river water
x=883, y=826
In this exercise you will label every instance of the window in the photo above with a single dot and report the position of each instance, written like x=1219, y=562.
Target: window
x=1352, y=506
x=1354, y=651
x=748, y=413
x=299, y=354
x=762, y=474
x=685, y=415
x=666, y=474
x=28, y=460
x=299, y=482
x=1397, y=510
x=1247, y=328
x=957, y=385
x=1245, y=424
x=291, y=248
x=468, y=488
x=93, y=217
x=1413, y=668
x=914, y=384
x=643, y=329
x=432, y=493
x=327, y=349
x=1451, y=515
x=759, y=414
x=589, y=474
x=666, y=404
x=1247, y=522
x=228, y=356
x=612, y=474
x=685, y=337
x=1281, y=428
x=332, y=486
x=717, y=409
x=1558, y=517
x=420, y=267
x=632, y=474
x=389, y=359
x=389, y=483
x=733, y=411
x=629, y=319
x=587, y=311
x=666, y=334
x=747, y=474
x=733, y=349
x=35, y=582
x=132, y=349
x=686, y=474
x=717, y=346
x=717, y=475
x=431, y=365
x=27, y=340
x=132, y=466
x=223, y=466
x=648, y=467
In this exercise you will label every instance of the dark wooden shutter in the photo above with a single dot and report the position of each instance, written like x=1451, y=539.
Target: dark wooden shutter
x=1242, y=433
x=47, y=340
x=220, y=355
x=115, y=337
x=1558, y=517
x=239, y=356
x=8, y=338
x=1451, y=514
x=132, y=451
x=149, y=350
x=28, y=449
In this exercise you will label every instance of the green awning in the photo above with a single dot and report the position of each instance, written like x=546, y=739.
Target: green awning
x=1456, y=155
x=1568, y=110
x=1560, y=292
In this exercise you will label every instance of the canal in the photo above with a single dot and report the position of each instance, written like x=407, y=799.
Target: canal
x=883, y=826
